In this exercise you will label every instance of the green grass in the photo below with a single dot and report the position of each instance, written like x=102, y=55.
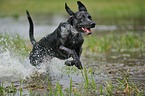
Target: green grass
x=102, y=11
x=124, y=86
x=117, y=42
x=1, y=88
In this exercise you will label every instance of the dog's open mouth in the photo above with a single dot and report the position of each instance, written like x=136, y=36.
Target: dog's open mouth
x=87, y=31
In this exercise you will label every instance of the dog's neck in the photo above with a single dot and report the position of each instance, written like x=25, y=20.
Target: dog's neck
x=67, y=28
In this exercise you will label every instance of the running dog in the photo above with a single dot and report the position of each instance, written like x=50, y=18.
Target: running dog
x=66, y=41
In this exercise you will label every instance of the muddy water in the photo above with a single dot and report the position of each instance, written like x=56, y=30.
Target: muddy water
x=109, y=65
x=114, y=64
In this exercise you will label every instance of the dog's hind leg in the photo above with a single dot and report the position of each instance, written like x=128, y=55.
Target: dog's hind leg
x=37, y=55
x=35, y=59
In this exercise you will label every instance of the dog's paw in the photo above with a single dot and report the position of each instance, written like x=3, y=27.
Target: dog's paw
x=79, y=66
x=70, y=63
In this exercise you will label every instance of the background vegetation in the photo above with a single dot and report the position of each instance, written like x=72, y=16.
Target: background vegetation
x=103, y=11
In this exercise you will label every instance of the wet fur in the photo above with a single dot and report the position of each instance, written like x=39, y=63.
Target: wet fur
x=65, y=42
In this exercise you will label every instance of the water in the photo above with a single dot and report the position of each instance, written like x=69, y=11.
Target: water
x=14, y=67
x=46, y=26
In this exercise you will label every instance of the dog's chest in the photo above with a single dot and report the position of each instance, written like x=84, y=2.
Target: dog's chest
x=74, y=42
x=77, y=39
x=70, y=37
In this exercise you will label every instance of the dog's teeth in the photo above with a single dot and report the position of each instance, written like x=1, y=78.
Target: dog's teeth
x=83, y=28
x=87, y=31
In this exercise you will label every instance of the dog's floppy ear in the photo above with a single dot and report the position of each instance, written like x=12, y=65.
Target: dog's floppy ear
x=69, y=11
x=81, y=6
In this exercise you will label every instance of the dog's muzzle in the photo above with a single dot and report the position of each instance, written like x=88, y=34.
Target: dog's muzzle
x=87, y=30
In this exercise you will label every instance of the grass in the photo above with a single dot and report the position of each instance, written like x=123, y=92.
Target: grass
x=103, y=11
x=14, y=44
x=49, y=86
x=124, y=86
x=1, y=88
x=117, y=42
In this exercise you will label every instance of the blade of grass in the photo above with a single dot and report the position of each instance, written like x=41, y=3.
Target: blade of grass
x=59, y=89
x=49, y=86
x=20, y=85
x=93, y=83
x=82, y=74
x=70, y=86
x=134, y=85
x=86, y=78
x=101, y=90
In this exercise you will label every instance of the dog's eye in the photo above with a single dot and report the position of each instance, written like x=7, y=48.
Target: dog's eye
x=90, y=17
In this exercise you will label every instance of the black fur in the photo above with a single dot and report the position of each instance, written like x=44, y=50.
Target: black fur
x=66, y=41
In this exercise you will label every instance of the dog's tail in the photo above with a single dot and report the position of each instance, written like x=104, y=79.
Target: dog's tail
x=31, y=31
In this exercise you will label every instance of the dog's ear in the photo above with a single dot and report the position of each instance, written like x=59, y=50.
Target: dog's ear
x=81, y=6
x=69, y=11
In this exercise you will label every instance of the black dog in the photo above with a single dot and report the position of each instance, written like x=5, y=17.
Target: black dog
x=66, y=41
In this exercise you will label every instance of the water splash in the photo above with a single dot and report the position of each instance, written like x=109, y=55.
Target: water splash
x=15, y=65
x=12, y=67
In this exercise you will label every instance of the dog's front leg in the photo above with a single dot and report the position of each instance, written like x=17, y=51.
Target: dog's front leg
x=72, y=62
x=74, y=56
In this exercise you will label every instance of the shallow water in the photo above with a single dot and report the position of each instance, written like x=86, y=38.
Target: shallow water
x=13, y=69
x=45, y=26
x=109, y=65
x=116, y=63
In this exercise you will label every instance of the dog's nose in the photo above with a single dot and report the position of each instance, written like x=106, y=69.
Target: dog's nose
x=93, y=24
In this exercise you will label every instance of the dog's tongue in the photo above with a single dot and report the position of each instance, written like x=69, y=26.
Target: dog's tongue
x=87, y=31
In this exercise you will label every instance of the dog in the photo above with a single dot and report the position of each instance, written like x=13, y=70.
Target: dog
x=66, y=41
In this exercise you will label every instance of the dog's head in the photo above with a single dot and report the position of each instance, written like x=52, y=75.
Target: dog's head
x=81, y=20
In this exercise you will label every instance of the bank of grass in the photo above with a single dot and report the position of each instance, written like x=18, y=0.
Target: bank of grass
x=115, y=42
x=102, y=11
